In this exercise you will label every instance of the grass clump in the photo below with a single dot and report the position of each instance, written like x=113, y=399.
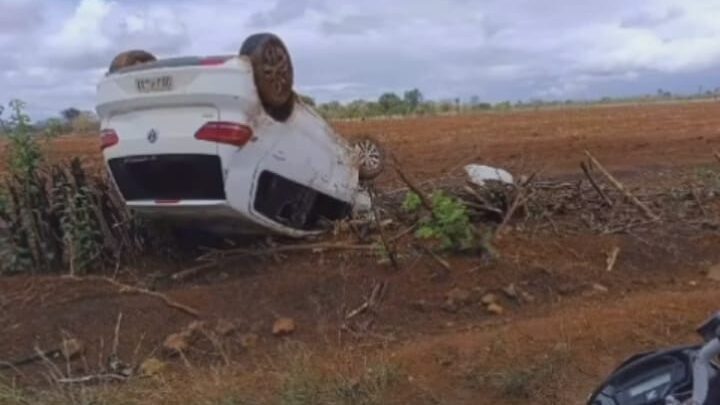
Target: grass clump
x=305, y=384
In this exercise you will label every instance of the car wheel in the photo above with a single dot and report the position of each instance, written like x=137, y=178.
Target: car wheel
x=130, y=58
x=371, y=157
x=272, y=72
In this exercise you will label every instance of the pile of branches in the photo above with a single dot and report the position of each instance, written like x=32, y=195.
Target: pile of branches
x=595, y=201
x=59, y=218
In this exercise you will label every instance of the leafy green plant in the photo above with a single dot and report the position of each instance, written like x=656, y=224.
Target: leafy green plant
x=54, y=218
x=23, y=150
x=449, y=223
x=412, y=203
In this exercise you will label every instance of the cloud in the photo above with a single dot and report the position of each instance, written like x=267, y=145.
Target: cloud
x=352, y=25
x=17, y=16
x=55, y=51
x=283, y=11
x=100, y=29
x=652, y=18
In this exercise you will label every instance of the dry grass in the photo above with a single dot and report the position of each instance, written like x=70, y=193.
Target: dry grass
x=538, y=378
x=295, y=377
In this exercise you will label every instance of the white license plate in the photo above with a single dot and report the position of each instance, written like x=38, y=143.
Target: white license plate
x=154, y=84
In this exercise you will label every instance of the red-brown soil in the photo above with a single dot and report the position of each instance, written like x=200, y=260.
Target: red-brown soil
x=572, y=332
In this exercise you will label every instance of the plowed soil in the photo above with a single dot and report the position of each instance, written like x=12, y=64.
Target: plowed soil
x=570, y=323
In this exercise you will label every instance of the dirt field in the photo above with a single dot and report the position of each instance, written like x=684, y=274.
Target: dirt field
x=565, y=323
x=625, y=137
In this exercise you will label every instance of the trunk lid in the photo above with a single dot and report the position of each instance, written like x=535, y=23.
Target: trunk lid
x=161, y=131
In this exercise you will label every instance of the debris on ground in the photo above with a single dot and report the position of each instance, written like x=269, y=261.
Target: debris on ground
x=495, y=309
x=180, y=342
x=596, y=289
x=176, y=343
x=481, y=174
x=362, y=203
x=152, y=367
x=511, y=291
x=455, y=299
x=283, y=327
x=226, y=327
x=612, y=257
x=489, y=299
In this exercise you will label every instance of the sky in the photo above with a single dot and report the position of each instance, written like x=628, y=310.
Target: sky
x=53, y=52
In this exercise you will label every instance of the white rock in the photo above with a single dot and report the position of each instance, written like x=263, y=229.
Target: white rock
x=479, y=174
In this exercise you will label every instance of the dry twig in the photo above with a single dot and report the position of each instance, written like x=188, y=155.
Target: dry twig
x=116, y=336
x=377, y=294
x=620, y=187
x=520, y=199
x=389, y=247
x=612, y=258
x=128, y=289
x=442, y=262
x=92, y=379
x=426, y=202
x=594, y=184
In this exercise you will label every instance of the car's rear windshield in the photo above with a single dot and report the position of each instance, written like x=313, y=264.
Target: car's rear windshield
x=174, y=62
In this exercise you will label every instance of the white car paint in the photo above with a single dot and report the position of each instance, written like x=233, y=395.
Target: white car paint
x=303, y=149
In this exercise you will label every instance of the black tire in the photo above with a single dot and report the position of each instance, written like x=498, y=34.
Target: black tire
x=272, y=72
x=130, y=58
x=370, y=155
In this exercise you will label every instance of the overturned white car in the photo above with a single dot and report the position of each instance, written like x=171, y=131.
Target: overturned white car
x=224, y=143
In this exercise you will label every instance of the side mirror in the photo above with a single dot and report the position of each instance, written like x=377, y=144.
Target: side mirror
x=711, y=328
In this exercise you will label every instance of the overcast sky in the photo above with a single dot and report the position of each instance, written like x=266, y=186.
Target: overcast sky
x=52, y=52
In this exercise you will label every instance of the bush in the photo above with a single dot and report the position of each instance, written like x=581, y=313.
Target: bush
x=449, y=222
x=54, y=218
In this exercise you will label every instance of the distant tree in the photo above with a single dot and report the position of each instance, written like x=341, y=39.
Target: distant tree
x=332, y=109
x=52, y=127
x=445, y=106
x=358, y=109
x=477, y=105
x=391, y=103
x=70, y=114
x=504, y=106
x=3, y=125
x=86, y=123
x=412, y=99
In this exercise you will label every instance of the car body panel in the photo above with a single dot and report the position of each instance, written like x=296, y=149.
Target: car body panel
x=303, y=149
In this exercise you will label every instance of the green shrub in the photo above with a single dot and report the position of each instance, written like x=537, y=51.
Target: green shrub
x=449, y=222
x=54, y=218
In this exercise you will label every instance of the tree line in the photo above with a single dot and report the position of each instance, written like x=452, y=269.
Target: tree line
x=409, y=103
x=413, y=102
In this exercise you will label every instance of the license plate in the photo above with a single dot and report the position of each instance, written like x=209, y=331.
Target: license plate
x=154, y=84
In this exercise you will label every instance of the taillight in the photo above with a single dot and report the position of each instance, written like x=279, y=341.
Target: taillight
x=108, y=138
x=213, y=61
x=225, y=132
